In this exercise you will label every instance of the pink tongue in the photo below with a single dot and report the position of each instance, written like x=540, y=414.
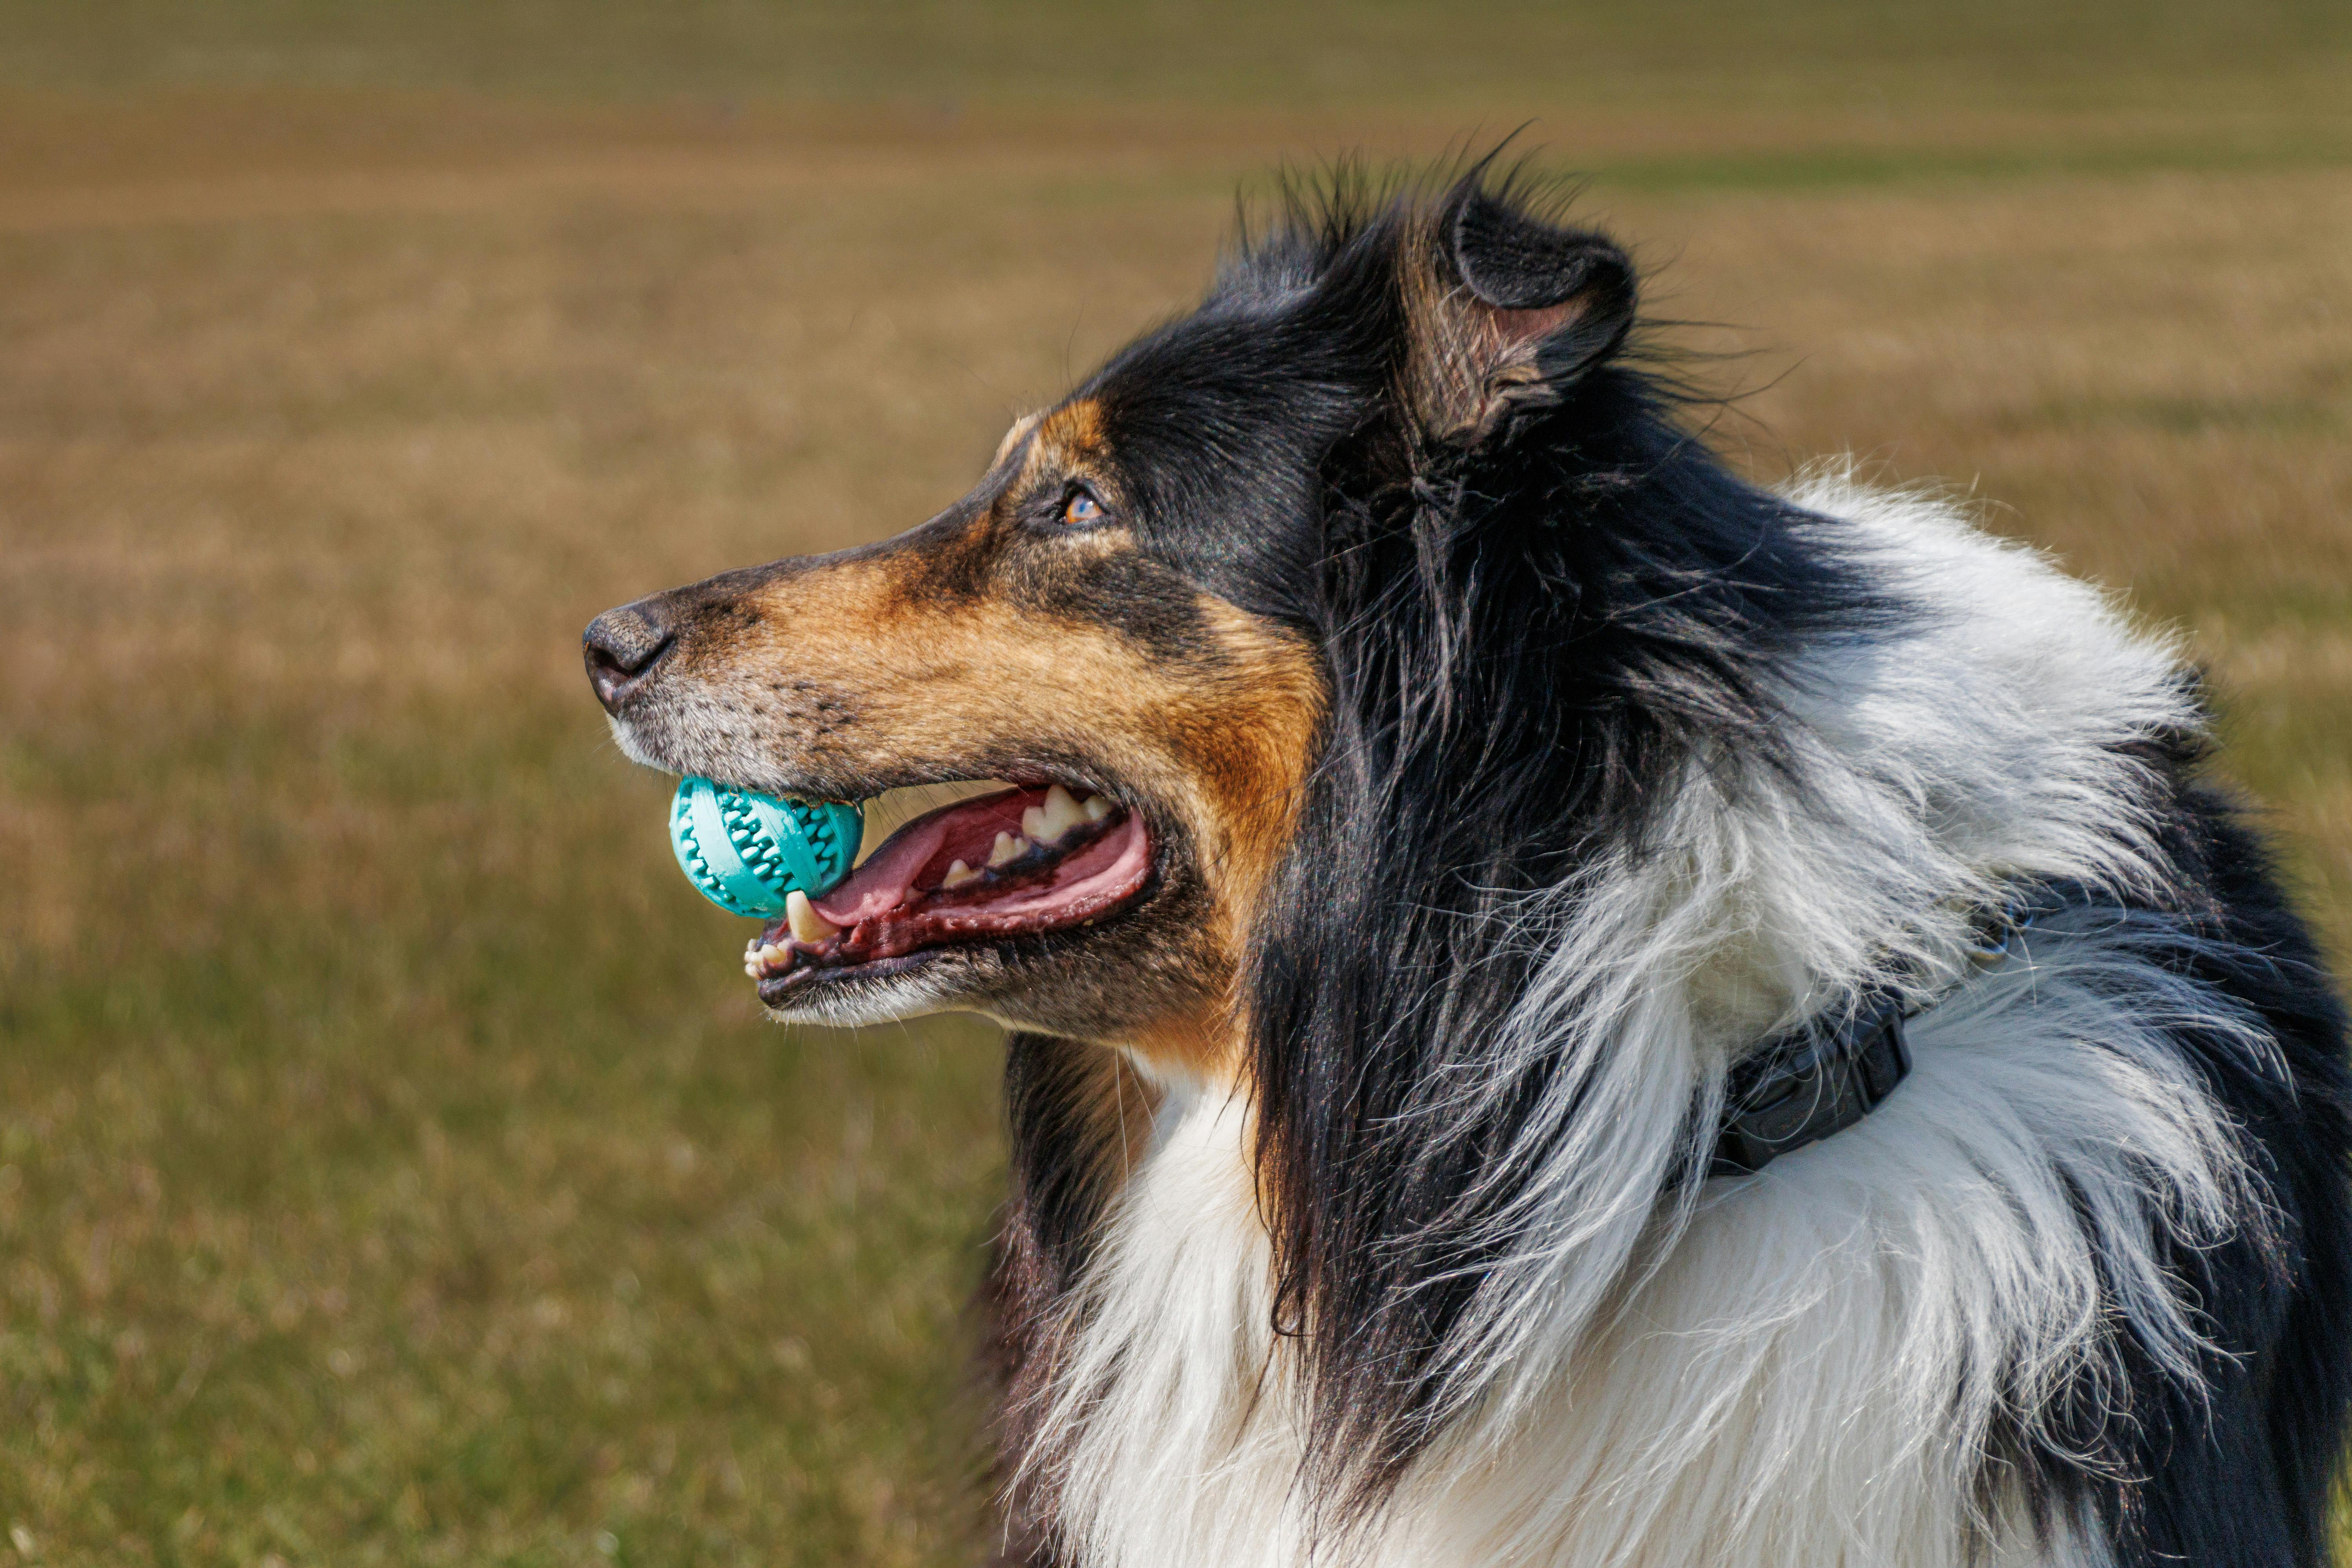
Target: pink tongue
x=886, y=879
x=911, y=865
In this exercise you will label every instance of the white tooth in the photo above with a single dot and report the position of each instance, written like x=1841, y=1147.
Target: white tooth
x=806, y=923
x=1009, y=847
x=772, y=954
x=1062, y=814
x=1097, y=809
x=1033, y=824
x=958, y=875
x=752, y=969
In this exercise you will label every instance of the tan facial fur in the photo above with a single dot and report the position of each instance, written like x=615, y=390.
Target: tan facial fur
x=969, y=648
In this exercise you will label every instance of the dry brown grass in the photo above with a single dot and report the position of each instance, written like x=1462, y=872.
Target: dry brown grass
x=391, y=1166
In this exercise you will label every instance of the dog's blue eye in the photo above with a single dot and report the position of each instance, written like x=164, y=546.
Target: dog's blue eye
x=1081, y=509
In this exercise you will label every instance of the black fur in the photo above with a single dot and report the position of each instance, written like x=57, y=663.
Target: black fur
x=1525, y=630
x=2239, y=1469
x=1533, y=629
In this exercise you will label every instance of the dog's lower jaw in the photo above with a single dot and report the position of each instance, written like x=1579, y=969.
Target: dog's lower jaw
x=1172, y=1031
x=1154, y=982
x=915, y=990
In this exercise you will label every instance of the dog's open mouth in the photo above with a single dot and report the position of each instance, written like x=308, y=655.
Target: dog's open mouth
x=1018, y=863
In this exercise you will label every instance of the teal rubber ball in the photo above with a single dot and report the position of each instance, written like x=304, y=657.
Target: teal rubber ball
x=745, y=851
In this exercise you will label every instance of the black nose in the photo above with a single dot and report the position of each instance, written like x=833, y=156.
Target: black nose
x=622, y=648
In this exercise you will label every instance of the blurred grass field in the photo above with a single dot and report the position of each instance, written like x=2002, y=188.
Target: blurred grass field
x=393, y=1166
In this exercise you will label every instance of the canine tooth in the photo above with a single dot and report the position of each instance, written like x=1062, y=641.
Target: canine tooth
x=1061, y=813
x=1097, y=809
x=1008, y=847
x=806, y=923
x=958, y=875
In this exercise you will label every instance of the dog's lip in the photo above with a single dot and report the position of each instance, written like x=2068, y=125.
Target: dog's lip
x=805, y=978
x=895, y=905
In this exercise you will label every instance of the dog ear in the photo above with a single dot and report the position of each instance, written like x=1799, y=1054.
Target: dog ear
x=1512, y=312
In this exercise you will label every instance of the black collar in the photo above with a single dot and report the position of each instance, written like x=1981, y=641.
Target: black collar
x=1827, y=1074
x=1800, y=1085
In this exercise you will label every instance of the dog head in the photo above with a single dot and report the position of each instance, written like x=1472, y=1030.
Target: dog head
x=1128, y=620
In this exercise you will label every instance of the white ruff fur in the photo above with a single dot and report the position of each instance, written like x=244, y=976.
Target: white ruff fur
x=1798, y=1368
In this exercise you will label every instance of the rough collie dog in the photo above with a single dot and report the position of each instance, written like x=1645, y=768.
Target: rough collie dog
x=1564, y=1008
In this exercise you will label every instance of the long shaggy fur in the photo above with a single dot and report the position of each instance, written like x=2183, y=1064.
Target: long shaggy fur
x=1627, y=765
